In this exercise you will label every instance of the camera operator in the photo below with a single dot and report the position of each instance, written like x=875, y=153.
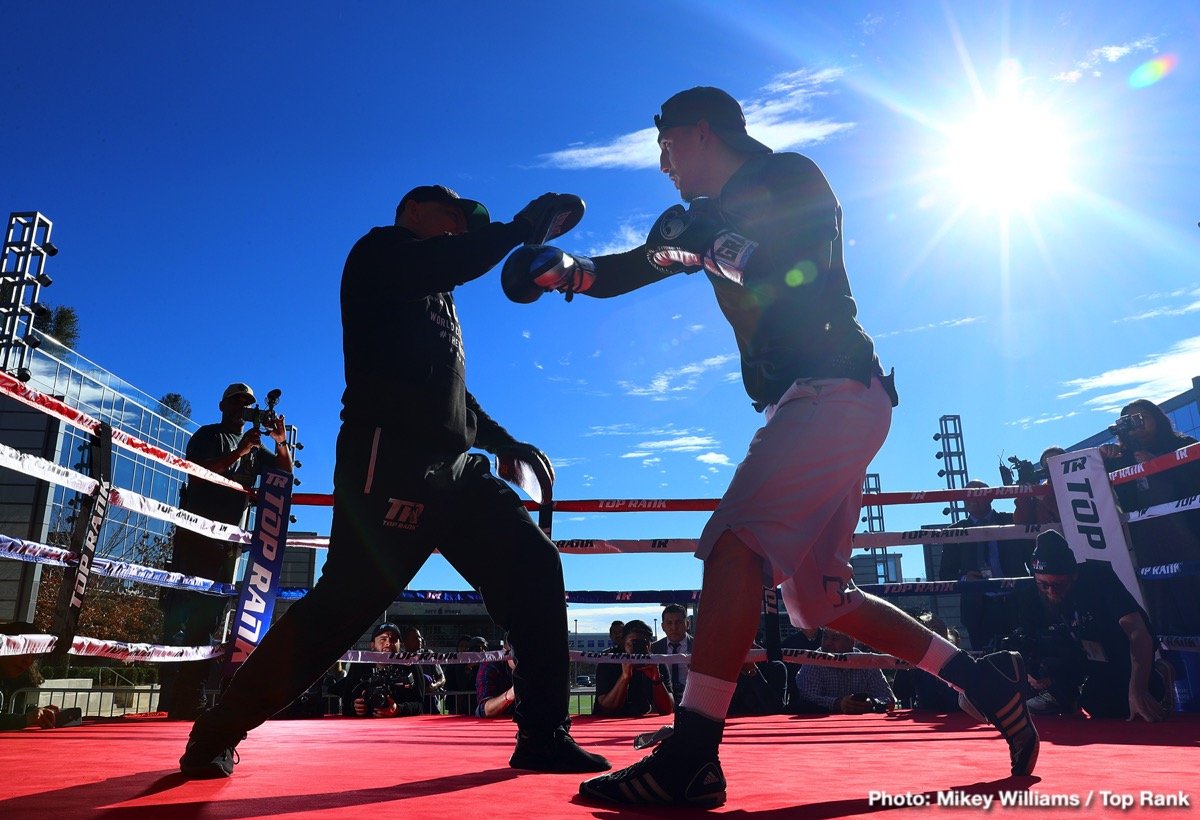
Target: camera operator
x=1143, y=433
x=383, y=690
x=986, y=615
x=1081, y=626
x=189, y=618
x=1038, y=509
x=629, y=689
x=842, y=691
x=435, y=677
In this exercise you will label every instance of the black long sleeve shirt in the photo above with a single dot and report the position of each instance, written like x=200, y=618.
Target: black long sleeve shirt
x=793, y=314
x=404, y=359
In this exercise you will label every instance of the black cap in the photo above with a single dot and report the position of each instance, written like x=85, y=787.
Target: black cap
x=477, y=216
x=386, y=627
x=721, y=111
x=636, y=626
x=1052, y=556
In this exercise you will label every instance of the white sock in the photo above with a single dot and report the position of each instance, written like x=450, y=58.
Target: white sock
x=938, y=654
x=708, y=696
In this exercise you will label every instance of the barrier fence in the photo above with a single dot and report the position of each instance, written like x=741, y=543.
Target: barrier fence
x=1082, y=491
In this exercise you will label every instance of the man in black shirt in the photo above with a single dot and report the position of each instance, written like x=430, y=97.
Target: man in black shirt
x=405, y=484
x=766, y=230
x=190, y=618
x=1084, y=610
x=633, y=690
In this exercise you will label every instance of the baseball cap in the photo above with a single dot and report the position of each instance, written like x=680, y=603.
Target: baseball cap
x=477, y=216
x=721, y=111
x=386, y=627
x=1052, y=556
x=237, y=389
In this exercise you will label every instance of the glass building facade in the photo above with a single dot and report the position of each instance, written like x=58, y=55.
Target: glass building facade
x=35, y=511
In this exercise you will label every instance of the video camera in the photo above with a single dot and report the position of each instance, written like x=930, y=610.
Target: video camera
x=263, y=419
x=1026, y=472
x=1048, y=653
x=377, y=689
x=876, y=705
x=1128, y=424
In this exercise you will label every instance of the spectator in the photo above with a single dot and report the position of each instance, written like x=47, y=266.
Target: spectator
x=633, y=690
x=383, y=690
x=461, y=677
x=1079, y=623
x=190, y=618
x=808, y=639
x=435, y=678
x=21, y=672
x=494, y=687
x=1039, y=509
x=615, y=630
x=762, y=688
x=843, y=691
x=917, y=689
x=1145, y=432
x=986, y=615
x=676, y=640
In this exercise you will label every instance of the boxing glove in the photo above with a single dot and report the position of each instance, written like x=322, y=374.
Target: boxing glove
x=696, y=238
x=532, y=270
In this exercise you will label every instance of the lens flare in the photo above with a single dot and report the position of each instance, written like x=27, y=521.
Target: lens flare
x=1151, y=71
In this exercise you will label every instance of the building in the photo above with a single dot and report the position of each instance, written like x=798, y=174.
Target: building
x=33, y=510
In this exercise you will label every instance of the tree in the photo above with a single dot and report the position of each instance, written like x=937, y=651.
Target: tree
x=62, y=322
x=178, y=403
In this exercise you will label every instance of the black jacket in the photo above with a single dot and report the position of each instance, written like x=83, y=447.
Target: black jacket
x=405, y=366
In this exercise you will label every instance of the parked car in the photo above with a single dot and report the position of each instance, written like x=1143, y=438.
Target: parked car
x=584, y=680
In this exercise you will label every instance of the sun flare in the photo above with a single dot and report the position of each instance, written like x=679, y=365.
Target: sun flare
x=1011, y=152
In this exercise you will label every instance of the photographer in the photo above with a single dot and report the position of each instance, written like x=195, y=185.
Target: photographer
x=1040, y=509
x=189, y=619
x=1089, y=641
x=383, y=690
x=1143, y=433
x=842, y=691
x=633, y=690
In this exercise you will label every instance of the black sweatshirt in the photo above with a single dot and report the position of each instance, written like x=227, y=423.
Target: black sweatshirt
x=405, y=367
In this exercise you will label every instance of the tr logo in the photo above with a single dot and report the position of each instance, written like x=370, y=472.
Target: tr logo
x=403, y=514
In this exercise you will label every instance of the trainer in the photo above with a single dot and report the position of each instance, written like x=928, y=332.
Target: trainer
x=405, y=484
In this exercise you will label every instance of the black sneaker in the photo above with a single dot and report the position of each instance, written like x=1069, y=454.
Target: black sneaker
x=557, y=753
x=664, y=777
x=995, y=696
x=206, y=758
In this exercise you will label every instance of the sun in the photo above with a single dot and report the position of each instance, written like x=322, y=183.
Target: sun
x=1011, y=151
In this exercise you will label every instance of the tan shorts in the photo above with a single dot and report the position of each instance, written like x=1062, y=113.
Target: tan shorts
x=796, y=498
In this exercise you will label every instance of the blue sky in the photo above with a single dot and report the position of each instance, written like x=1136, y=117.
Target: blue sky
x=1020, y=216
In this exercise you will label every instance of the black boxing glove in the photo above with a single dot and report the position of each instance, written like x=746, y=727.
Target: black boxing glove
x=532, y=270
x=696, y=238
x=551, y=215
x=527, y=467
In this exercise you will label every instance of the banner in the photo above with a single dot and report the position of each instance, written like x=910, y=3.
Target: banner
x=264, y=565
x=84, y=539
x=1091, y=520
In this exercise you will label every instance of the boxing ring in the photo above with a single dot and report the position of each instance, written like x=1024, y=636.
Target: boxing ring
x=335, y=766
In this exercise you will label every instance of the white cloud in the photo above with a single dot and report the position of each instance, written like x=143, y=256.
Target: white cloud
x=1190, y=297
x=680, y=444
x=779, y=116
x=650, y=462
x=966, y=320
x=635, y=454
x=671, y=383
x=629, y=234
x=525, y=334
x=1157, y=378
x=714, y=458
x=1097, y=57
